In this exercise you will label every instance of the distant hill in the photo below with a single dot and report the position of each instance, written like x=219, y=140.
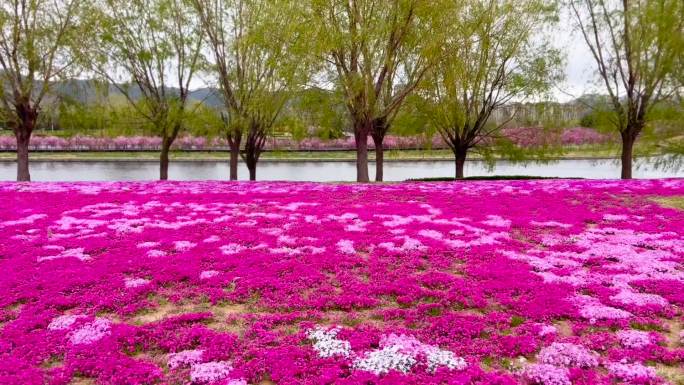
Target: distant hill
x=93, y=91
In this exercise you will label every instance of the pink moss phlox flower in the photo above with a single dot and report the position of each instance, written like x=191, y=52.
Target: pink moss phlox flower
x=185, y=357
x=423, y=275
x=208, y=372
x=546, y=374
x=91, y=332
x=631, y=371
x=64, y=322
x=568, y=355
x=635, y=339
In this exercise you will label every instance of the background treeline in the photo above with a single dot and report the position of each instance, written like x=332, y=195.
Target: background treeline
x=248, y=71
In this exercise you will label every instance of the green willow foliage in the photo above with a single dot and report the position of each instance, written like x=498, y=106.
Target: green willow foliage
x=495, y=52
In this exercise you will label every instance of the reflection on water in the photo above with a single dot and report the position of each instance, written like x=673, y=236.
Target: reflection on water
x=323, y=171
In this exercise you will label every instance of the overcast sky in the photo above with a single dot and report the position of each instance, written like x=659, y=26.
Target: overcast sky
x=580, y=66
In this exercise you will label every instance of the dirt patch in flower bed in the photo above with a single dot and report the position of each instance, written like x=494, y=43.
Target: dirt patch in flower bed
x=506, y=282
x=676, y=202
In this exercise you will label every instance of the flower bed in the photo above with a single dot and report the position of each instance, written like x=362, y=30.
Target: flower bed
x=547, y=282
x=527, y=137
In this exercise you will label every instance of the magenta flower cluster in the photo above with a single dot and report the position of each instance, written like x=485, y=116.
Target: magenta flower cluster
x=522, y=282
x=521, y=136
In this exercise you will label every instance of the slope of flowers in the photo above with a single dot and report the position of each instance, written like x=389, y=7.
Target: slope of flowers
x=546, y=282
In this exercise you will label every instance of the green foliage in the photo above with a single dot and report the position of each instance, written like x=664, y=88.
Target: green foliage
x=637, y=47
x=260, y=54
x=496, y=52
x=37, y=48
x=150, y=51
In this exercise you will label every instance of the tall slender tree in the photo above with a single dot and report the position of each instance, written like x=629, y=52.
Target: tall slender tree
x=258, y=49
x=495, y=52
x=378, y=52
x=150, y=50
x=36, y=41
x=637, y=47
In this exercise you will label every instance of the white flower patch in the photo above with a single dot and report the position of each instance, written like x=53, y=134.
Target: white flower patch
x=396, y=221
x=443, y=358
x=122, y=226
x=312, y=219
x=497, y=221
x=326, y=343
x=630, y=297
x=232, y=248
x=64, y=322
x=592, y=309
x=147, y=245
x=91, y=332
x=207, y=274
x=182, y=246
x=430, y=209
x=297, y=250
x=409, y=244
x=346, y=246
x=135, y=282
x=551, y=224
x=68, y=253
x=294, y=206
x=615, y=217
x=275, y=231
x=156, y=253
x=24, y=221
x=212, y=239
x=432, y=234
x=357, y=226
x=383, y=360
x=545, y=330
x=434, y=357
x=287, y=240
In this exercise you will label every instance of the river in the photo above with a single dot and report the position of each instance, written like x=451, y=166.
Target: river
x=324, y=171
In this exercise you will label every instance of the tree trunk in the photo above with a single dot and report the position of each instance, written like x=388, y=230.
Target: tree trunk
x=23, y=174
x=379, y=157
x=460, y=156
x=361, y=139
x=252, y=172
x=626, y=156
x=251, y=161
x=234, y=158
x=164, y=159
x=23, y=127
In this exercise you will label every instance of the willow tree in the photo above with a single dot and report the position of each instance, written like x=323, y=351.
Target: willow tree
x=637, y=48
x=259, y=59
x=495, y=52
x=36, y=41
x=150, y=50
x=378, y=52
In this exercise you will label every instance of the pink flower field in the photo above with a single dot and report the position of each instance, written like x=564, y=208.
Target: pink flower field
x=536, y=282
